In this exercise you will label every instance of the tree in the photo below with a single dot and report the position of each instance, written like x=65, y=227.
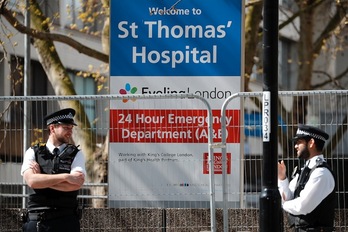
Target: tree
x=314, y=42
x=314, y=36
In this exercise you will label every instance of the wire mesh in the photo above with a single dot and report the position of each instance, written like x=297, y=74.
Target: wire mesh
x=177, y=209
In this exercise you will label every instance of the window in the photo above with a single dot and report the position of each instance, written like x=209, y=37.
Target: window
x=287, y=65
x=40, y=86
x=85, y=86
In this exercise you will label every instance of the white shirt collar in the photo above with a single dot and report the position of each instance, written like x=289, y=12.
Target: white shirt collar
x=50, y=146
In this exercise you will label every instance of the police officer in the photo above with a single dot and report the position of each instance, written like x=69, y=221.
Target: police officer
x=54, y=172
x=309, y=198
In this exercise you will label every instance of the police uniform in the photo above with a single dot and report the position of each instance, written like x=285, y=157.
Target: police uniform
x=310, y=195
x=50, y=209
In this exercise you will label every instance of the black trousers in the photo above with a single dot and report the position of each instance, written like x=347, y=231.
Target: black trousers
x=66, y=223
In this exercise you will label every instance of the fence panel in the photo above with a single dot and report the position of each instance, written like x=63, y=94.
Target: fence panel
x=107, y=165
x=17, y=136
x=324, y=109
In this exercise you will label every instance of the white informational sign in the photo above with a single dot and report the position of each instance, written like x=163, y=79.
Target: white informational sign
x=266, y=115
x=159, y=148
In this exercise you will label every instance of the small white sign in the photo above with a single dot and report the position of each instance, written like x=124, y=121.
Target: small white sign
x=266, y=116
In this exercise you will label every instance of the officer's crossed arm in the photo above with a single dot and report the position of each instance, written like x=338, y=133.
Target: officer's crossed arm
x=74, y=181
x=62, y=182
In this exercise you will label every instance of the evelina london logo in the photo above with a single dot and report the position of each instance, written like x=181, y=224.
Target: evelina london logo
x=128, y=89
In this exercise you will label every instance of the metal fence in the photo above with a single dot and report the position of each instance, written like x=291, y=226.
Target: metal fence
x=325, y=109
x=100, y=119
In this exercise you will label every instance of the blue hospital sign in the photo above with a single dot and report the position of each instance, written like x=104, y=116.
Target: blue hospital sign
x=175, y=38
x=158, y=149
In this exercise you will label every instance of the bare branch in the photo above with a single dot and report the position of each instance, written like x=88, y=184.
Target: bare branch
x=326, y=33
x=291, y=19
x=53, y=36
x=331, y=79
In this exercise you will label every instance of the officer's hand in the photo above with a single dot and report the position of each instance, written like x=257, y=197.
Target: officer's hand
x=281, y=170
x=35, y=167
x=76, y=178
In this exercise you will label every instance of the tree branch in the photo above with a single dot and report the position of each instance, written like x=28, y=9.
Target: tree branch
x=295, y=15
x=331, y=79
x=326, y=33
x=53, y=36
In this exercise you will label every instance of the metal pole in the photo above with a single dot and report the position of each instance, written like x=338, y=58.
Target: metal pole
x=26, y=89
x=211, y=172
x=270, y=209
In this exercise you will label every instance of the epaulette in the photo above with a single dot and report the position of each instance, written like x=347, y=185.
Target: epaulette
x=319, y=162
x=39, y=146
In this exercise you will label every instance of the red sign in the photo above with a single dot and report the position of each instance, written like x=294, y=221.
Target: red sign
x=217, y=163
x=170, y=126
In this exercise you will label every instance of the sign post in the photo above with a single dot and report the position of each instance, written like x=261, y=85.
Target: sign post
x=270, y=210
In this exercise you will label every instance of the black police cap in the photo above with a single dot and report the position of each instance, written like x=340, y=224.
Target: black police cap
x=64, y=116
x=305, y=131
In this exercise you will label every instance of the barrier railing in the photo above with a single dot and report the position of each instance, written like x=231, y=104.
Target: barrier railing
x=326, y=109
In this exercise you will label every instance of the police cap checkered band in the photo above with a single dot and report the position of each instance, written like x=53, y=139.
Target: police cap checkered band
x=310, y=131
x=65, y=116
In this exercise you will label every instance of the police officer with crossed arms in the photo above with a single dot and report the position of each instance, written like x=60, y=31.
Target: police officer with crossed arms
x=309, y=198
x=54, y=172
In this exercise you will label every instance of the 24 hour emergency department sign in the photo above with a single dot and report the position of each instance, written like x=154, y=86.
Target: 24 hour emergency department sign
x=158, y=150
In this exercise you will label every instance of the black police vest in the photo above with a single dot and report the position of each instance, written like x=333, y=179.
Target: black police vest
x=50, y=164
x=323, y=215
